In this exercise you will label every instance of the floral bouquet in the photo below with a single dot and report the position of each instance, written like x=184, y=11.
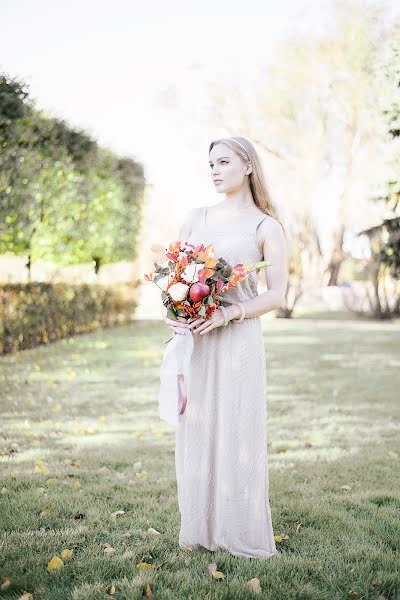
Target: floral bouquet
x=192, y=283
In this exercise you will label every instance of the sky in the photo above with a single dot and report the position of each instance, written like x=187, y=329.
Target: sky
x=138, y=76
x=119, y=69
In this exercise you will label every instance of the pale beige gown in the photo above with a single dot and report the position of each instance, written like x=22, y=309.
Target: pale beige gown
x=221, y=441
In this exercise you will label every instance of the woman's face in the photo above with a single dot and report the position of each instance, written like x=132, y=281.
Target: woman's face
x=227, y=168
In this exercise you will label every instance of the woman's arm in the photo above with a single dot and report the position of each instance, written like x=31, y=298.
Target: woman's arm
x=186, y=227
x=276, y=252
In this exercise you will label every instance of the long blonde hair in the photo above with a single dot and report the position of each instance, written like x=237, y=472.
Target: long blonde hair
x=258, y=186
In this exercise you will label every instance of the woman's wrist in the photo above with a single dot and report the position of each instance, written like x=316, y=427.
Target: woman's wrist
x=233, y=311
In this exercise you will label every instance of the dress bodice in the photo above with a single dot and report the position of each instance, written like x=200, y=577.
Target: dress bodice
x=235, y=240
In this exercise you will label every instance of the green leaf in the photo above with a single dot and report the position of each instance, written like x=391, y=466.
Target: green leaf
x=171, y=314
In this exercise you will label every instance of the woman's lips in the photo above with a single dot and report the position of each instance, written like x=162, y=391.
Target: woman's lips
x=217, y=181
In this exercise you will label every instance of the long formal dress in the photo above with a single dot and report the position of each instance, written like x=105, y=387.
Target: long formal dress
x=221, y=440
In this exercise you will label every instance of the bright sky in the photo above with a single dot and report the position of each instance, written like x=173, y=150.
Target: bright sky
x=137, y=76
x=110, y=66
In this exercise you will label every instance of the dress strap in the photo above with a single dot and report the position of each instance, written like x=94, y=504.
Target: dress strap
x=260, y=221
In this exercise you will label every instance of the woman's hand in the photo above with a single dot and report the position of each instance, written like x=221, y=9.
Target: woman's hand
x=202, y=325
x=174, y=325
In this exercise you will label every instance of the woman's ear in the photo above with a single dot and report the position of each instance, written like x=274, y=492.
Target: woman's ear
x=249, y=169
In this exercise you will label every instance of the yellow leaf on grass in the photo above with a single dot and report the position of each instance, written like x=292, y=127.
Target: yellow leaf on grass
x=66, y=553
x=149, y=593
x=218, y=575
x=47, y=511
x=393, y=454
x=41, y=469
x=55, y=563
x=76, y=485
x=278, y=538
x=51, y=481
x=145, y=565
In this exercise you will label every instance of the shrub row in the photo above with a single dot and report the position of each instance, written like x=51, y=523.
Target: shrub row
x=37, y=313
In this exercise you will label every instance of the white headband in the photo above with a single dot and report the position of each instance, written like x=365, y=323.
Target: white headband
x=233, y=140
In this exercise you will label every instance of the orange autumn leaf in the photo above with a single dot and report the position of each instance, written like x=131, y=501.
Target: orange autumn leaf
x=211, y=262
x=204, y=274
x=174, y=247
x=207, y=253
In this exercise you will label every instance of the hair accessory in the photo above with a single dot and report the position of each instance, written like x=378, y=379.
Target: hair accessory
x=242, y=313
x=233, y=140
x=226, y=317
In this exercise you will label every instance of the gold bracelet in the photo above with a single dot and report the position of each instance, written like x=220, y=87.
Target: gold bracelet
x=226, y=317
x=242, y=313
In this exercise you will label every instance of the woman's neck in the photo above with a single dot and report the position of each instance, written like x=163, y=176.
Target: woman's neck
x=237, y=202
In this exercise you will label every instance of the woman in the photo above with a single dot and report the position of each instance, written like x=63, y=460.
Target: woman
x=221, y=442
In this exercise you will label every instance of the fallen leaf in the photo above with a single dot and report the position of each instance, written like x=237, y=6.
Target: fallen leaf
x=66, y=553
x=345, y=487
x=26, y=596
x=218, y=575
x=47, y=511
x=110, y=588
x=145, y=565
x=376, y=582
x=163, y=498
x=6, y=582
x=153, y=531
x=352, y=593
x=55, y=563
x=51, y=481
x=149, y=593
x=255, y=585
x=41, y=468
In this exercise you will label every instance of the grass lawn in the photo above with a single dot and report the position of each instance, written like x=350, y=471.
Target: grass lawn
x=81, y=440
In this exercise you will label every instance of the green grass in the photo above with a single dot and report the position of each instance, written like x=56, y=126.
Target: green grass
x=87, y=407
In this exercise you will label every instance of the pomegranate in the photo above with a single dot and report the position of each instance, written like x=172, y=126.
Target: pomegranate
x=198, y=291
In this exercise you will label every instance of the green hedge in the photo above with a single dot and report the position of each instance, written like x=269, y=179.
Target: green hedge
x=38, y=313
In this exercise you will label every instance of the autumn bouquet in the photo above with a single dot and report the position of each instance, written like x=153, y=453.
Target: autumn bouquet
x=192, y=283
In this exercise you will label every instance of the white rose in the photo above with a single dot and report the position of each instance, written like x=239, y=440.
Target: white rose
x=191, y=272
x=178, y=291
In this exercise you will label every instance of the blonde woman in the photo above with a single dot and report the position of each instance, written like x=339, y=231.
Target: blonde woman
x=221, y=442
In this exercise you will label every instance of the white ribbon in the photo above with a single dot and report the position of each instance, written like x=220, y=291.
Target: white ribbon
x=176, y=360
